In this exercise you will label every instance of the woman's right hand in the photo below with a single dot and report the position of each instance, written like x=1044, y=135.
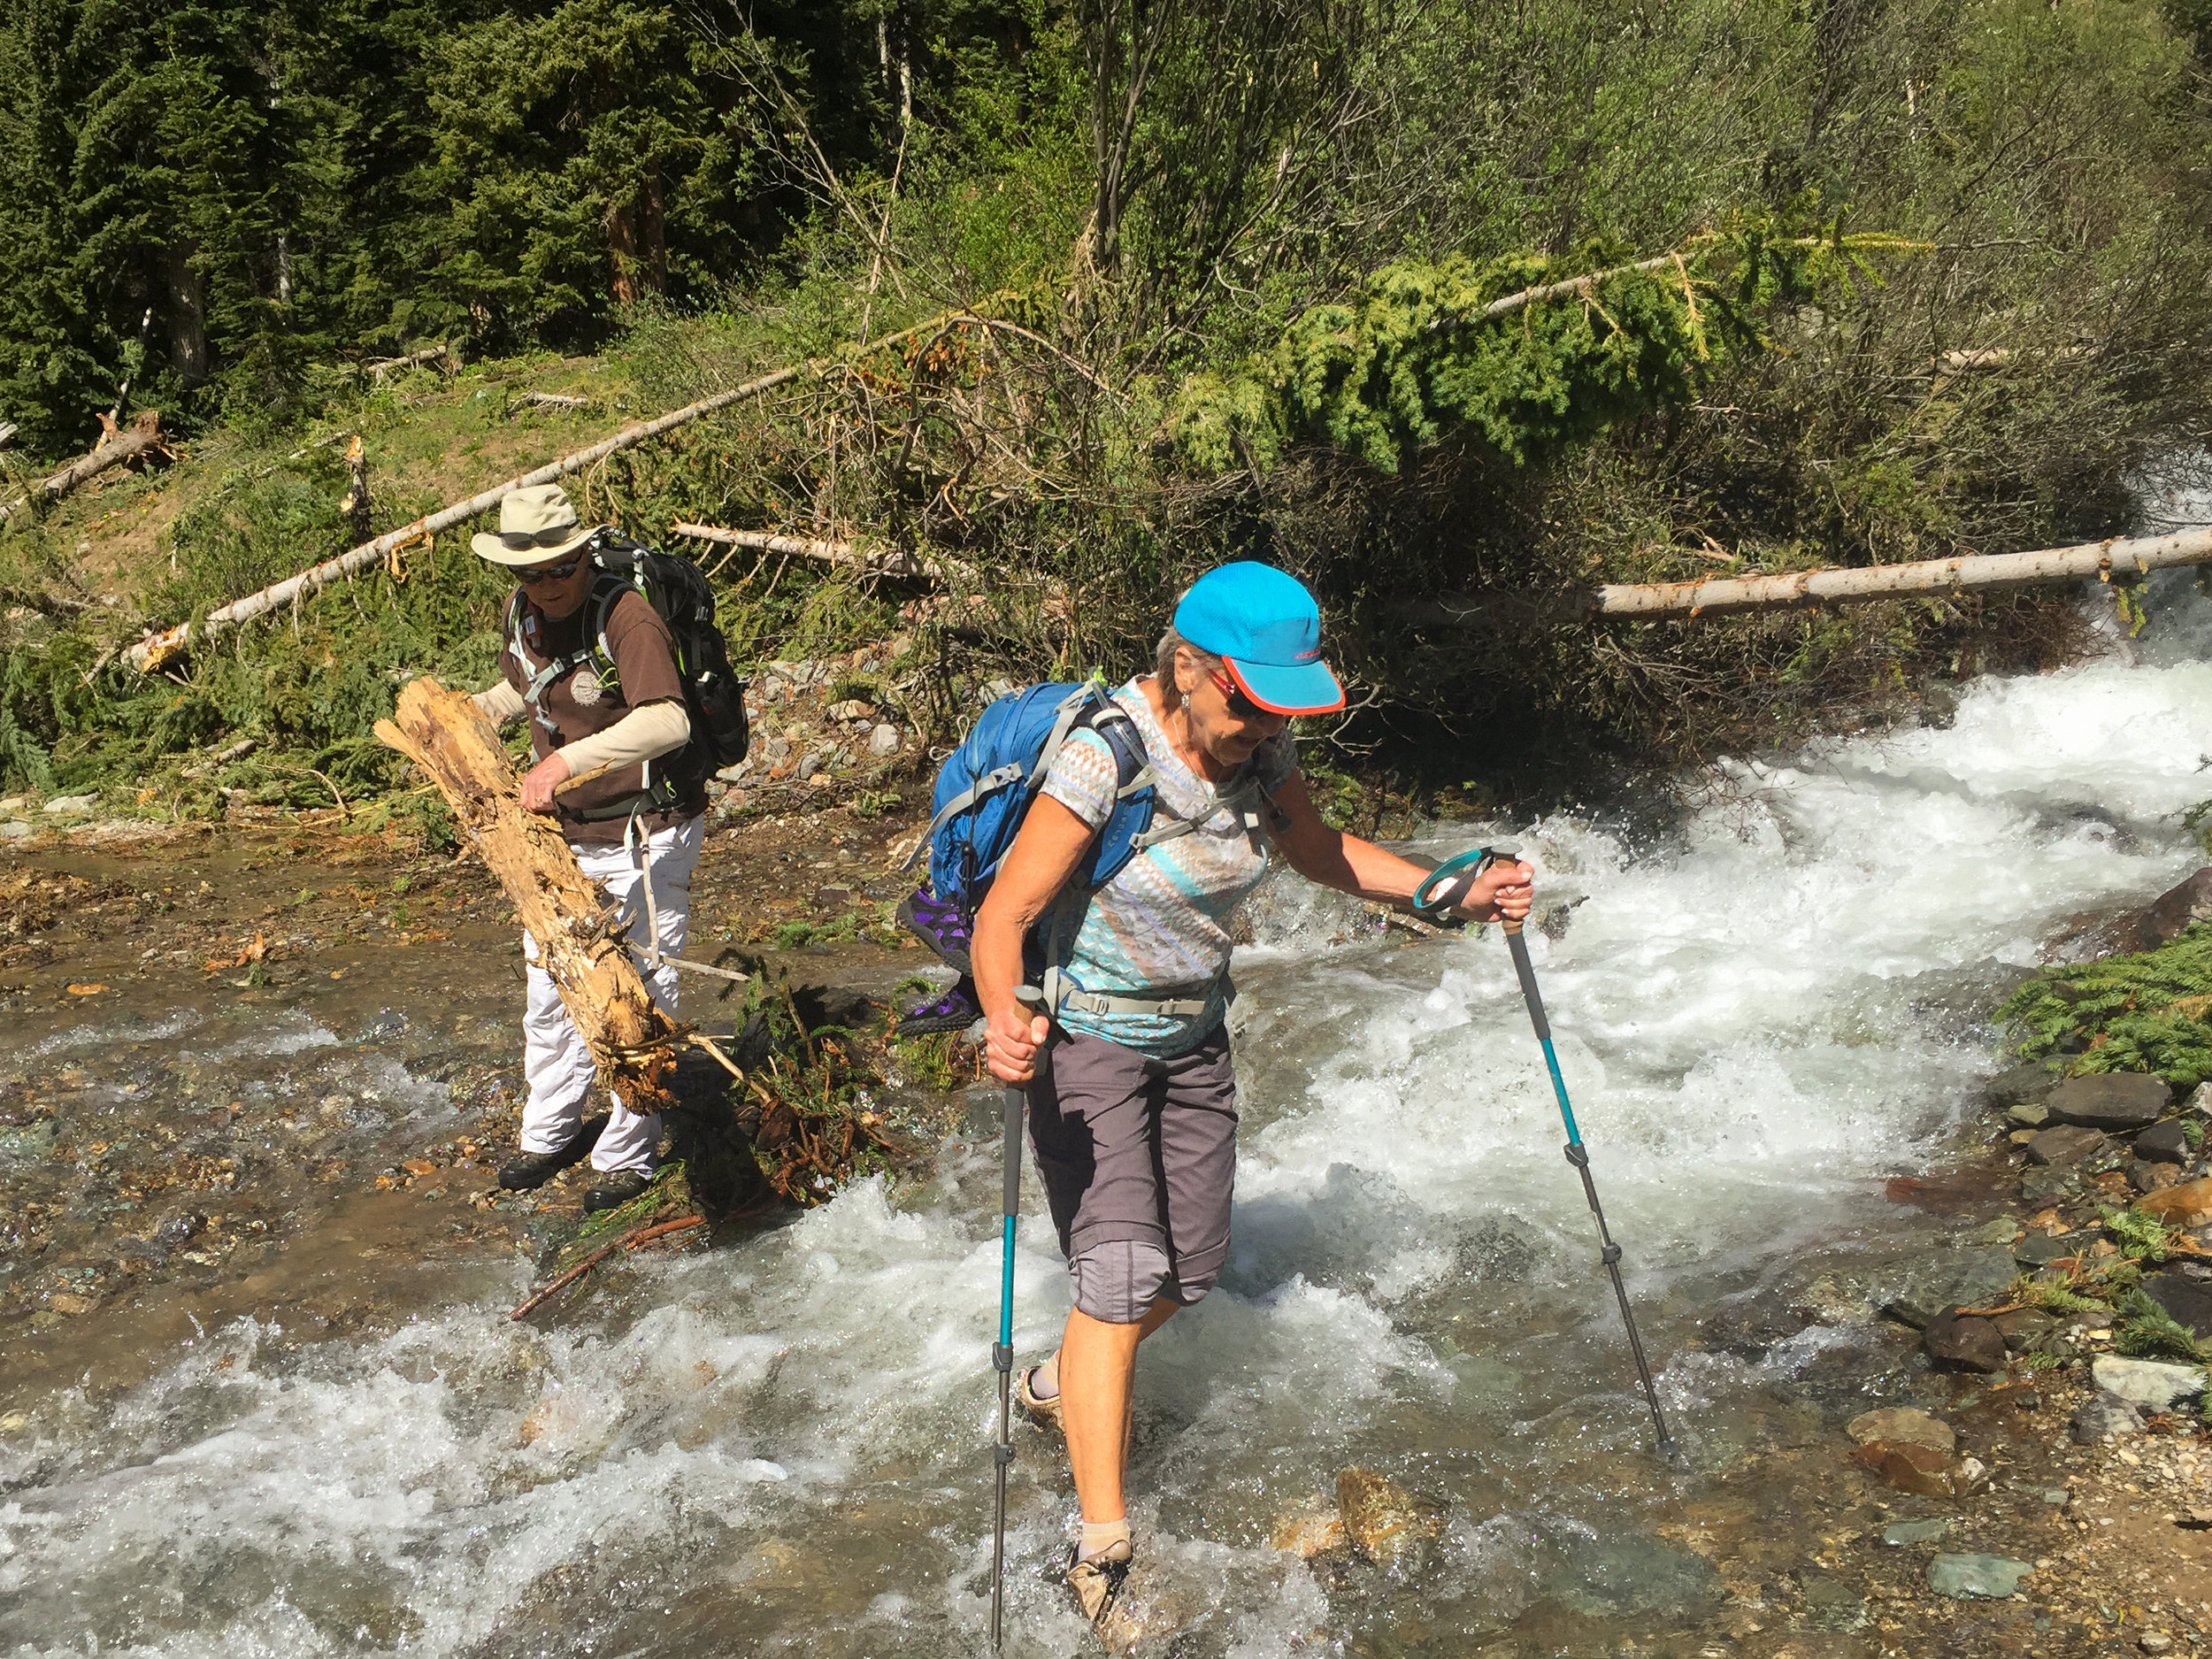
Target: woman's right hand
x=1010, y=1042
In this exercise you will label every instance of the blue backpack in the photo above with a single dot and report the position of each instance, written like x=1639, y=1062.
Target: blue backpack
x=985, y=787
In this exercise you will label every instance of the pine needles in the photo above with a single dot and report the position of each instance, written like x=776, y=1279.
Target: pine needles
x=2136, y=1013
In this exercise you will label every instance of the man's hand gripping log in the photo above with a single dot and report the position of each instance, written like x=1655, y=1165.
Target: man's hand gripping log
x=1609, y=1253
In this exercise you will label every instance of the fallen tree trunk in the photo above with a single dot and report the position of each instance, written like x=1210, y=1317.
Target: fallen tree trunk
x=579, y=942
x=547, y=400
x=440, y=354
x=874, y=561
x=157, y=648
x=166, y=644
x=138, y=440
x=1807, y=591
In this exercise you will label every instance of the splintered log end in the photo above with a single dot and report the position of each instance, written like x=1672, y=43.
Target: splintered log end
x=392, y=737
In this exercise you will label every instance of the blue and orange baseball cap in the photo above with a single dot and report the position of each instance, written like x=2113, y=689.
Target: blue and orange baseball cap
x=1263, y=624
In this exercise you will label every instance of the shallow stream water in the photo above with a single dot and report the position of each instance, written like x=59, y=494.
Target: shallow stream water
x=782, y=1445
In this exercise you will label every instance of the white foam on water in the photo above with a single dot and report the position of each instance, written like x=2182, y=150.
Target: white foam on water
x=1754, y=1022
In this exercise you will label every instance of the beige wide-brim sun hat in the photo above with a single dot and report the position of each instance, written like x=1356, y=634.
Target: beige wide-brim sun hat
x=535, y=524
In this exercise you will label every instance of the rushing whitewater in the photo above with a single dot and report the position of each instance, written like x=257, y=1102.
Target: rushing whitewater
x=784, y=1446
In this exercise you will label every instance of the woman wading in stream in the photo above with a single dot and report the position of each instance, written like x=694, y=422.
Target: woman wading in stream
x=1132, y=1094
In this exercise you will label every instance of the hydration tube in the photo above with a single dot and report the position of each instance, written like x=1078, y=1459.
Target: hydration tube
x=1609, y=1253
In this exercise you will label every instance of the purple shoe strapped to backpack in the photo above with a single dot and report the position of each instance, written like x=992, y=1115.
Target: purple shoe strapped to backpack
x=938, y=924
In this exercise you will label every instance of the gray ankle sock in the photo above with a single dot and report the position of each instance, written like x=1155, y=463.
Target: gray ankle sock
x=1044, y=1382
x=1101, y=1536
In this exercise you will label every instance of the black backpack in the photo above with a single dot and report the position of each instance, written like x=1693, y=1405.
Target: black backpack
x=714, y=696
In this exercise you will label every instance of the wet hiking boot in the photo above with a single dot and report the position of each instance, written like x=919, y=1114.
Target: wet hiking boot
x=955, y=1010
x=614, y=1187
x=938, y=924
x=1097, y=1586
x=527, y=1172
x=1043, y=1412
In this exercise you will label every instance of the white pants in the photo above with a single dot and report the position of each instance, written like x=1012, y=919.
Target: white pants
x=556, y=1063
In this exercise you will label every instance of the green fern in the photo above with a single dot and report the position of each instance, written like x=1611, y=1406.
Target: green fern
x=2141, y=1237
x=2147, y=1330
x=2136, y=1013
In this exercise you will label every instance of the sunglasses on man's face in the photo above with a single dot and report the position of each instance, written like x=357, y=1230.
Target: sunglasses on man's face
x=551, y=573
x=1240, y=705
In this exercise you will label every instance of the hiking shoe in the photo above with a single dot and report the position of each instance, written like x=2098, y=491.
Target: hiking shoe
x=938, y=924
x=1097, y=1586
x=615, y=1187
x=955, y=1010
x=1044, y=1413
x=527, y=1172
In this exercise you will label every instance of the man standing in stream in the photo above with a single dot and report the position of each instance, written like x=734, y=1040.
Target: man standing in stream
x=593, y=665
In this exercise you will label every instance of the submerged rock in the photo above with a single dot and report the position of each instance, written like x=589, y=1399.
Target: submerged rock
x=1389, y=1525
x=2116, y=1101
x=1903, y=1426
x=1908, y=1467
x=1315, y=1529
x=1967, y=1275
x=1616, y=1577
x=1962, y=1576
x=1899, y=1534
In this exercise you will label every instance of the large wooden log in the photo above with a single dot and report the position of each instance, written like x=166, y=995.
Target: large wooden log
x=632, y=1043
x=1808, y=590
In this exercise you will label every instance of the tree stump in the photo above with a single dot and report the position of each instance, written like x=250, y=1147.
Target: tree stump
x=580, y=939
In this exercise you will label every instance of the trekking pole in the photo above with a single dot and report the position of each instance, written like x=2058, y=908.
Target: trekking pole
x=1577, y=1154
x=1002, y=1350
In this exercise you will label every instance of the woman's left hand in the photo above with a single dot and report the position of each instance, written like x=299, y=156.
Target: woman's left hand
x=1501, y=893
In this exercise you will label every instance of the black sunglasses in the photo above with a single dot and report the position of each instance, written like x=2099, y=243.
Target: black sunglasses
x=553, y=573
x=1240, y=705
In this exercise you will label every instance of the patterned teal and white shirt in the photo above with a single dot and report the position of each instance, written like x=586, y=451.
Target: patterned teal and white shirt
x=1162, y=924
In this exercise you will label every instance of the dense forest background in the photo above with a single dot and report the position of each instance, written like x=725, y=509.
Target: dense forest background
x=1942, y=283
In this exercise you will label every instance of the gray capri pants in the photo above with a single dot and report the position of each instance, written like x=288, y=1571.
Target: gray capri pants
x=1139, y=1159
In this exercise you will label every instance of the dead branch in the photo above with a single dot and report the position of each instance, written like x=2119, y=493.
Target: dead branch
x=1989, y=359
x=872, y=562
x=142, y=439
